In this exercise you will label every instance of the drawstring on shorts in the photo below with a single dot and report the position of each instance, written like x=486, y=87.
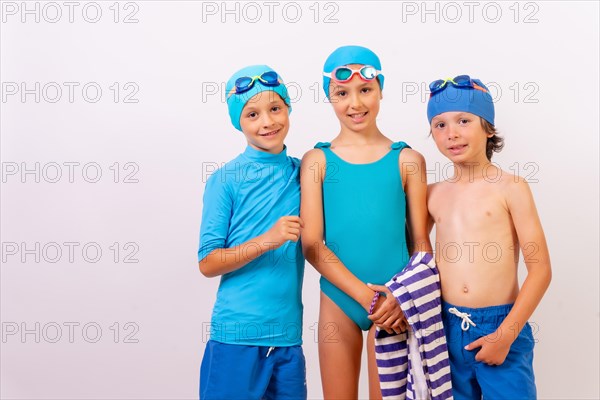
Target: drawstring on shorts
x=465, y=318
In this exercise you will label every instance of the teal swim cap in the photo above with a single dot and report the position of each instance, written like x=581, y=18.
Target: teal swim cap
x=350, y=55
x=474, y=98
x=236, y=102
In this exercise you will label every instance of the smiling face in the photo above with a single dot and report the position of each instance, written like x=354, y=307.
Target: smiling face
x=265, y=122
x=356, y=103
x=460, y=137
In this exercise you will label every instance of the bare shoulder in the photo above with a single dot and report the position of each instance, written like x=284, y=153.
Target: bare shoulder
x=411, y=156
x=313, y=155
x=313, y=164
x=434, y=202
x=517, y=189
x=314, y=158
x=436, y=188
x=432, y=187
x=506, y=181
x=515, y=182
x=437, y=193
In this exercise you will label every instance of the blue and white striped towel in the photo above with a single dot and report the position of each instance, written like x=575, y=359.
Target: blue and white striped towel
x=417, y=289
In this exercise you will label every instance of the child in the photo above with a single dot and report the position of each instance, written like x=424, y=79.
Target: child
x=358, y=194
x=482, y=216
x=249, y=237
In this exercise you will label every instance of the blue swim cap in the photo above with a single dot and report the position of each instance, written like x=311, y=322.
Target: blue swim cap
x=350, y=55
x=236, y=102
x=468, y=99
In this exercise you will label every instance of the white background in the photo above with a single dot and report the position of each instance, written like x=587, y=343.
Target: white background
x=540, y=58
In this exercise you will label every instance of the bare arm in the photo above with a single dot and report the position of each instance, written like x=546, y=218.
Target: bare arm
x=316, y=253
x=414, y=176
x=430, y=221
x=535, y=253
x=495, y=347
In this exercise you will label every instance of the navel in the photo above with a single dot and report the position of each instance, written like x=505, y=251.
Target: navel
x=465, y=289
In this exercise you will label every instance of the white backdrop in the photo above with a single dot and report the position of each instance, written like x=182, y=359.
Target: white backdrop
x=112, y=117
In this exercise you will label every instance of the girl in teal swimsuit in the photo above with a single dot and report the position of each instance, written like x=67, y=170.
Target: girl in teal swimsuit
x=360, y=194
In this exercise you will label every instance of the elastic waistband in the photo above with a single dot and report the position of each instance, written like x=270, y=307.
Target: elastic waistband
x=501, y=310
x=251, y=346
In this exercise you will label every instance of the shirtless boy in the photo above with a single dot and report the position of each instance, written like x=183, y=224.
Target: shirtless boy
x=483, y=217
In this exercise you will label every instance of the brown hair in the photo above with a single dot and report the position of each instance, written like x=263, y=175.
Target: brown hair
x=494, y=144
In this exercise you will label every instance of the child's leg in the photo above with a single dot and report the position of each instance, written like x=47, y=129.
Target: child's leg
x=340, y=347
x=374, y=385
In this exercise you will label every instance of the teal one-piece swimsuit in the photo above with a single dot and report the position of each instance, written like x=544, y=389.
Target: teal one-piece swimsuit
x=364, y=216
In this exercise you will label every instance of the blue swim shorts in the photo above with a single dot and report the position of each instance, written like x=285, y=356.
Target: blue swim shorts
x=232, y=371
x=473, y=379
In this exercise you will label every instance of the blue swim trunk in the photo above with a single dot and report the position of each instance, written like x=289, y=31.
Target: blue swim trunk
x=473, y=379
x=232, y=371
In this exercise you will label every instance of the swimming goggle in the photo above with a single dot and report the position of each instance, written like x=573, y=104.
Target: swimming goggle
x=463, y=81
x=245, y=83
x=344, y=74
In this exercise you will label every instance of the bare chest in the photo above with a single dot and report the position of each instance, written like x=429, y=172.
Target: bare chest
x=476, y=209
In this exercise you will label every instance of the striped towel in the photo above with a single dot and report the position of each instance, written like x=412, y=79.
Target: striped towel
x=417, y=289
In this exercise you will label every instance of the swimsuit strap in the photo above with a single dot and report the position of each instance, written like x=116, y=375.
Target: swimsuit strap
x=390, y=156
x=393, y=146
x=322, y=145
x=399, y=146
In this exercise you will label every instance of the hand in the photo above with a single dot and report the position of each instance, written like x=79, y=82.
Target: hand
x=286, y=228
x=388, y=315
x=398, y=326
x=494, y=348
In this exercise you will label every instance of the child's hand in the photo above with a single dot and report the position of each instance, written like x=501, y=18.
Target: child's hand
x=494, y=348
x=398, y=326
x=387, y=315
x=286, y=228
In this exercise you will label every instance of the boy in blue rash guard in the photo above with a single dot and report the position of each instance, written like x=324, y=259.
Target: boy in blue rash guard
x=249, y=236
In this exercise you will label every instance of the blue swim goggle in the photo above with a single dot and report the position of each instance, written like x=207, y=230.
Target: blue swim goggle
x=463, y=81
x=245, y=83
